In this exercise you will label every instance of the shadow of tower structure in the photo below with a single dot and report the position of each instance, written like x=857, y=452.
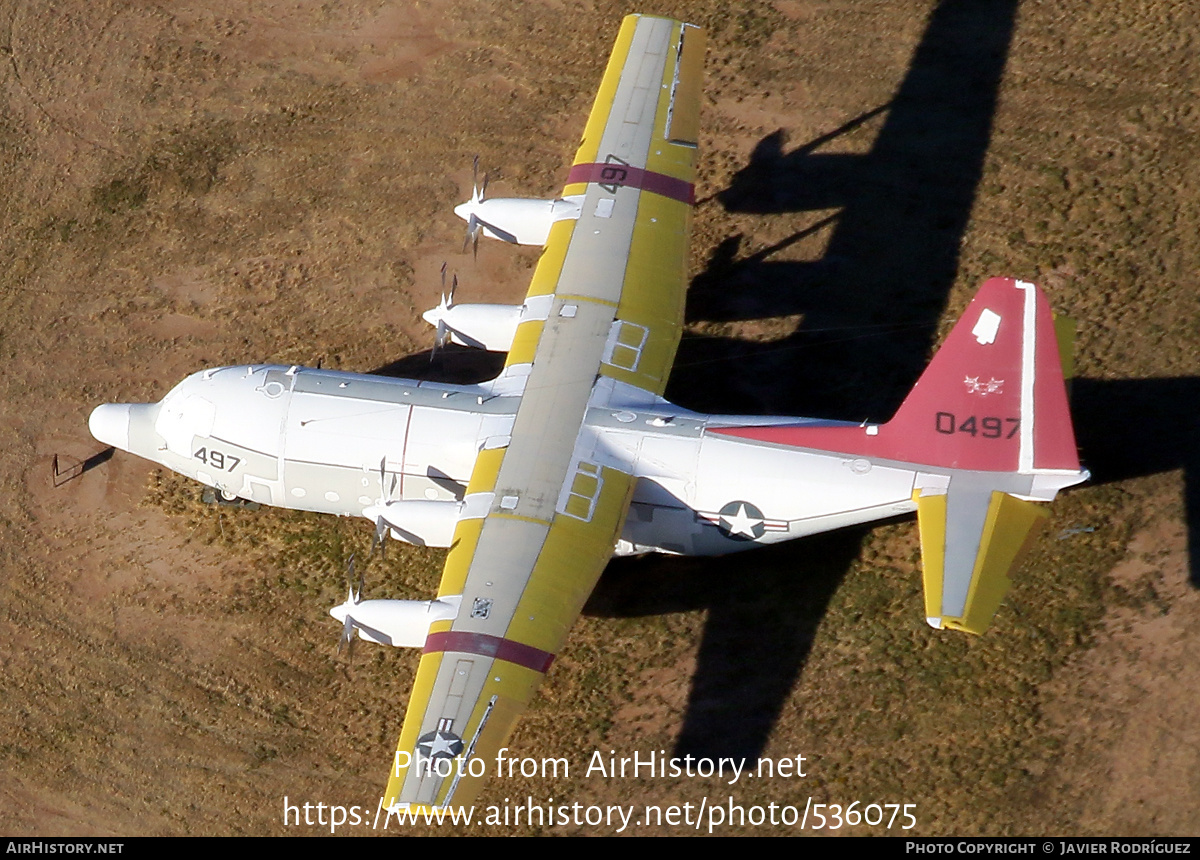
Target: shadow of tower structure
x=870, y=309
x=1129, y=428
x=872, y=303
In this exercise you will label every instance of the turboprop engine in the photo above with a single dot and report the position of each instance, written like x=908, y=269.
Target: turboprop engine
x=516, y=220
x=490, y=327
x=399, y=623
x=419, y=521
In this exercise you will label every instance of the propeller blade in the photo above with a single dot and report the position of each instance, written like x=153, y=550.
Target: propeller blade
x=478, y=195
x=472, y=237
x=439, y=339
x=448, y=301
x=442, y=336
x=499, y=233
x=380, y=539
x=352, y=594
x=346, y=640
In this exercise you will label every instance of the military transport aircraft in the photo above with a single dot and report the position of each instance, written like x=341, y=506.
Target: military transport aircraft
x=571, y=455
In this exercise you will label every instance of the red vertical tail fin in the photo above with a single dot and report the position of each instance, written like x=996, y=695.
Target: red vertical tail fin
x=993, y=398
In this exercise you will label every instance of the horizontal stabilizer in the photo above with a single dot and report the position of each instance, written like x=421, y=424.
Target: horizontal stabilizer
x=972, y=538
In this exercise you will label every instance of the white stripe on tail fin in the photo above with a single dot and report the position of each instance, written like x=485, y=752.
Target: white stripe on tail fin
x=993, y=398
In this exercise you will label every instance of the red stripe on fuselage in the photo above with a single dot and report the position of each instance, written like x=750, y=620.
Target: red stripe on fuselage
x=615, y=174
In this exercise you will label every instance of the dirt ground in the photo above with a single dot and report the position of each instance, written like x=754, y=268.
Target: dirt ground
x=195, y=184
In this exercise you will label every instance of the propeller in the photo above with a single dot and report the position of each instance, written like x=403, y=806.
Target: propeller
x=474, y=223
x=353, y=597
x=381, y=527
x=443, y=331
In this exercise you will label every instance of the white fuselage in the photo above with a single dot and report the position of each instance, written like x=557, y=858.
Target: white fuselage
x=355, y=445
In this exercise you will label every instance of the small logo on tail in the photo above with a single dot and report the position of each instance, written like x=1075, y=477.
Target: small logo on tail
x=983, y=389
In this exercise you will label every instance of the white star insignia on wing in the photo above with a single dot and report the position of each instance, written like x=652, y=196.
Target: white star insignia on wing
x=442, y=744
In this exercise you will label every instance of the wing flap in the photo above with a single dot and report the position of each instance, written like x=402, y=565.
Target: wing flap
x=571, y=560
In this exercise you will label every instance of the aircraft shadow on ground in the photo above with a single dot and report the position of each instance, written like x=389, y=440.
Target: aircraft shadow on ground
x=452, y=363
x=1131, y=428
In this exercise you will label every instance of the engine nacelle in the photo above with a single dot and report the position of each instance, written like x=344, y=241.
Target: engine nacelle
x=519, y=220
x=399, y=623
x=418, y=521
x=490, y=327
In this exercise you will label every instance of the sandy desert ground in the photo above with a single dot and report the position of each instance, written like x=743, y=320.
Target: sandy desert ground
x=204, y=183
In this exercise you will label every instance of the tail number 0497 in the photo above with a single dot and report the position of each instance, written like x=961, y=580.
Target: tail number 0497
x=988, y=426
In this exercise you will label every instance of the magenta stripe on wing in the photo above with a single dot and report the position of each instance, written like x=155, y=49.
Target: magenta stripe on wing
x=616, y=174
x=490, y=646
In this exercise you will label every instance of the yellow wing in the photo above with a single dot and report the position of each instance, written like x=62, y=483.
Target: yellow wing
x=541, y=516
x=636, y=170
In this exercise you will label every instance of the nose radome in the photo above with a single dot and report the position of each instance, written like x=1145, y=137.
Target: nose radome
x=109, y=424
